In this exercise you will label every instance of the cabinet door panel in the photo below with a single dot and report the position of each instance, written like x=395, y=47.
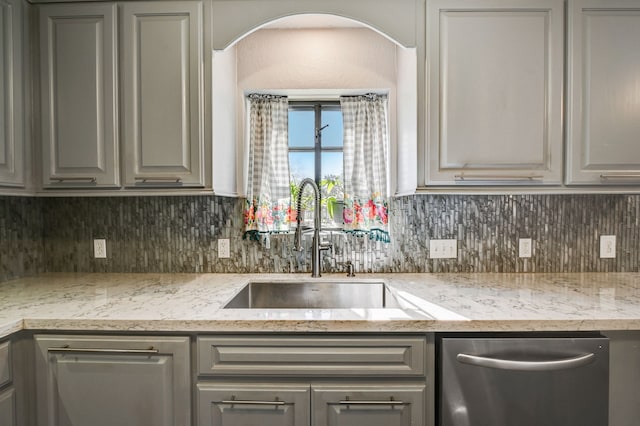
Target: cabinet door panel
x=290, y=405
x=368, y=405
x=11, y=117
x=5, y=363
x=311, y=356
x=7, y=407
x=79, y=134
x=162, y=75
x=107, y=381
x=496, y=74
x=604, y=92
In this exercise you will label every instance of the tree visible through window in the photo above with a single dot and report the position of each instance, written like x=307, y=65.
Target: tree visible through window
x=316, y=151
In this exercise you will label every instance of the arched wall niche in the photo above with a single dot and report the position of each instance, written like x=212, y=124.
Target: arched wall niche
x=245, y=66
x=234, y=19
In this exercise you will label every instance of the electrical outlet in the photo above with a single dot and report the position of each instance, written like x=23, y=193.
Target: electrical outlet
x=443, y=249
x=524, y=247
x=100, y=248
x=224, y=249
x=607, y=246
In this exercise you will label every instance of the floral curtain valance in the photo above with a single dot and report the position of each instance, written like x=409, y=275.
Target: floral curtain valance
x=366, y=140
x=268, y=205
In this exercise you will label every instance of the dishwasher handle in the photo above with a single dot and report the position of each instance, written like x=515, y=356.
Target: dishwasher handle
x=508, y=364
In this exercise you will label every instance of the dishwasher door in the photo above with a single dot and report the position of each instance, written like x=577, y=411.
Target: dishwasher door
x=524, y=381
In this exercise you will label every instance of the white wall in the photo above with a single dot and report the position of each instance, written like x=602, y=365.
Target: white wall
x=347, y=58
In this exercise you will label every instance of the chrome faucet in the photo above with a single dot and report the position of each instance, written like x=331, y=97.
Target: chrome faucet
x=316, y=246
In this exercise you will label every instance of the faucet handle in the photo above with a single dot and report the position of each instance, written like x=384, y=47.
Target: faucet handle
x=325, y=246
x=350, y=269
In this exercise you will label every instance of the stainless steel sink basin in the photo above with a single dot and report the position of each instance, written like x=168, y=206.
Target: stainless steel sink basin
x=313, y=295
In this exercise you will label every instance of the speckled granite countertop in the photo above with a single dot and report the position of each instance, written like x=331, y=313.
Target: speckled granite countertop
x=431, y=302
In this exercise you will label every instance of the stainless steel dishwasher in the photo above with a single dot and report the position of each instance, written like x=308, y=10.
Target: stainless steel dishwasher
x=537, y=381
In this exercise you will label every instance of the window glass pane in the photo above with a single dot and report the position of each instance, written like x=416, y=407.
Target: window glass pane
x=301, y=165
x=332, y=165
x=332, y=189
x=302, y=124
x=332, y=135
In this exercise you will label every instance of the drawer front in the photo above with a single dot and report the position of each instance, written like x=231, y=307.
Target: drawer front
x=311, y=356
x=253, y=404
x=5, y=363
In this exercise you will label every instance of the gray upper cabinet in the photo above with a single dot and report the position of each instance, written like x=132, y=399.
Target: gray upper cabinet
x=11, y=99
x=123, y=85
x=117, y=380
x=78, y=86
x=495, y=82
x=162, y=78
x=603, y=129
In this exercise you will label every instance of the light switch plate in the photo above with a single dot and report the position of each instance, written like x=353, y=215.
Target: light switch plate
x=443, y=249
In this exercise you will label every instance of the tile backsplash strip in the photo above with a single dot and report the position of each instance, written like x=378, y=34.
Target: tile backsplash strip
x=179, y=234
x=21, y=245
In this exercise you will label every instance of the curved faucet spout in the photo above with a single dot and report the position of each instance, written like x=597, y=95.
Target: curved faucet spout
x=316, y=246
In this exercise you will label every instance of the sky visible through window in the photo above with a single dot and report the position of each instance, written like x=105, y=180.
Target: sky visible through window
x=302, y=135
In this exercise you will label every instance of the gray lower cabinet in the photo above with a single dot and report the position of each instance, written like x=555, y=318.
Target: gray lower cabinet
x=7, y=407
x=624, y=377
x=242, y=404
x=112, y=380
x=603, y=96
x=7, y=392
x=379, y=404
x=319, y=380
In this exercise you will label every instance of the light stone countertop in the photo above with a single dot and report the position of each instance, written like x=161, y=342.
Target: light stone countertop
x=431, y=302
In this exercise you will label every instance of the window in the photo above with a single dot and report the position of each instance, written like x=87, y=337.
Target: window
x=316, y=151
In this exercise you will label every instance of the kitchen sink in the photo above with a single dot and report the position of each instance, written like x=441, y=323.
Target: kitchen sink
x=313, y=295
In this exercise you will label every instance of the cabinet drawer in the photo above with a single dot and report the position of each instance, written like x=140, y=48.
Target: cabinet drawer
x=253, y=404
x=311, y=356
x=5, y=363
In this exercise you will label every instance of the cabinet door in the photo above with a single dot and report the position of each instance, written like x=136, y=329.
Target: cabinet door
x=495, y=91
x=379, y=404
x=624, y=376
x=253, y=404
x=11, y=106
x=78, y=84
x=604, y=92
x=105, y=381
x=7, y=407
x=162, y=74
x=5, y=363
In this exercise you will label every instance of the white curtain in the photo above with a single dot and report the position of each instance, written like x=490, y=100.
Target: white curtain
x=268, y=206
x=366, y=141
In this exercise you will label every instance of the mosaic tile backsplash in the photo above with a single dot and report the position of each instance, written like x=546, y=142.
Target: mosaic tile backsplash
x=21, y=243
x=179, y=234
